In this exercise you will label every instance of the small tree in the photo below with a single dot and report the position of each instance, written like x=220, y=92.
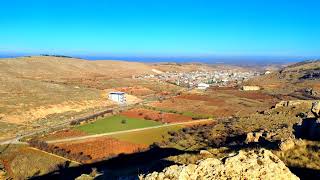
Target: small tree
x=123, y=121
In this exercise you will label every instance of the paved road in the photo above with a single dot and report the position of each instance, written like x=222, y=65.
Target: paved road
x=126, y=131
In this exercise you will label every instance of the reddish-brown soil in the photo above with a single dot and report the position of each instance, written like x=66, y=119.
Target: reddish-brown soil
x=136, y=91
x=64, y=134
x=156, y=115
x=7, y=167
x=219, y=102
x=164, y=93
x=210, y=101
x=255, y=95
x=101, y=148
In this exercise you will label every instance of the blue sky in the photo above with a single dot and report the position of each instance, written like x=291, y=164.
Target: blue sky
x=161, y=28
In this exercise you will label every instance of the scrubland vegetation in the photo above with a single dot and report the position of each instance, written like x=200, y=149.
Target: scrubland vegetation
x=242, y=120
x=21, y=162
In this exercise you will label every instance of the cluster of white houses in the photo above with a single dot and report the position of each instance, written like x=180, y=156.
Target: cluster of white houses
x=203, y=79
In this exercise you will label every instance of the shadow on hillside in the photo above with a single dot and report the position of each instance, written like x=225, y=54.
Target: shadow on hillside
x=129, y=165
x=305, y=173
x=308, y=129
x=237, y=142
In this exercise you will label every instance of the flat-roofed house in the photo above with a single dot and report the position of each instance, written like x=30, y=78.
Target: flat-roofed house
x=250, y=88
x=203, y=86
x=118, y=97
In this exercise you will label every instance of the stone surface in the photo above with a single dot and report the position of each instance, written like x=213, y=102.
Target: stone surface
x=205, y=153
x=309, y=127
x=287, y=144
x=253, y=137
x=316, y=109
x=85, y=177
x=306, y=103
x=260, y=164
x=2, y=174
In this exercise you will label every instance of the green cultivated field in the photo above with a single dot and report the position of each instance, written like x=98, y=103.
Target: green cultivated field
x=147, y=136
x=115, y=123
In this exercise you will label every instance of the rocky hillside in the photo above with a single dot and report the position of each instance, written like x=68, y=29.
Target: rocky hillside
x=300, y=80
x=260, y=164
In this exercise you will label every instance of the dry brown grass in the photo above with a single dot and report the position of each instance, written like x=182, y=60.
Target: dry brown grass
x=40, y=91
x=305, y=154
x=219, y=103
x=22, y=162
x=288, y=80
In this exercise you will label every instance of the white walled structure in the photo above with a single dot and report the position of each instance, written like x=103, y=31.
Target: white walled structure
x=203, y=86
x=118, y=97
x=250, y=88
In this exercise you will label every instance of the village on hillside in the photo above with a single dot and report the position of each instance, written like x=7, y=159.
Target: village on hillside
x=203, y=79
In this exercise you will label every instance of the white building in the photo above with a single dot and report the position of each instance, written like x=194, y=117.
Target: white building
x=118, y=97
x=267, y=72
x=250, y=88
x=203, y=86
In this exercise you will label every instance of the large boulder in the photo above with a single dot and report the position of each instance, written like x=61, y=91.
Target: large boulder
x=84, y=177
x=309, y=127
x=287, y=144
x=255, y=137
x=311, y=92
x=316, y=109
x=294, y=103
x=260, y=164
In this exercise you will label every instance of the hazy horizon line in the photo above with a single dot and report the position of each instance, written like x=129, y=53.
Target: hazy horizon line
x=209, y=59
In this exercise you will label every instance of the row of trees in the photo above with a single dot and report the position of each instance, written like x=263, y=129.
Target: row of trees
x=53, y=55
x=90, y=117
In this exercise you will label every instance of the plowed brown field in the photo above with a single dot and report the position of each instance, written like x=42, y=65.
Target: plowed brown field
x=219, y=102
x=101, y=148
x=64, y=134
x=137, y=91
x=156, y=115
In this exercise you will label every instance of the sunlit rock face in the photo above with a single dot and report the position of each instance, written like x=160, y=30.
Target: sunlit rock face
x=261, y=164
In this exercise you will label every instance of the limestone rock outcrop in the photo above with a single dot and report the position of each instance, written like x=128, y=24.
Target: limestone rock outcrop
x=309, y=128
x=316, y=109
x=254, y=137
x=287, y=144
x=307, y=103
x=85, y=177
x=260, y=164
